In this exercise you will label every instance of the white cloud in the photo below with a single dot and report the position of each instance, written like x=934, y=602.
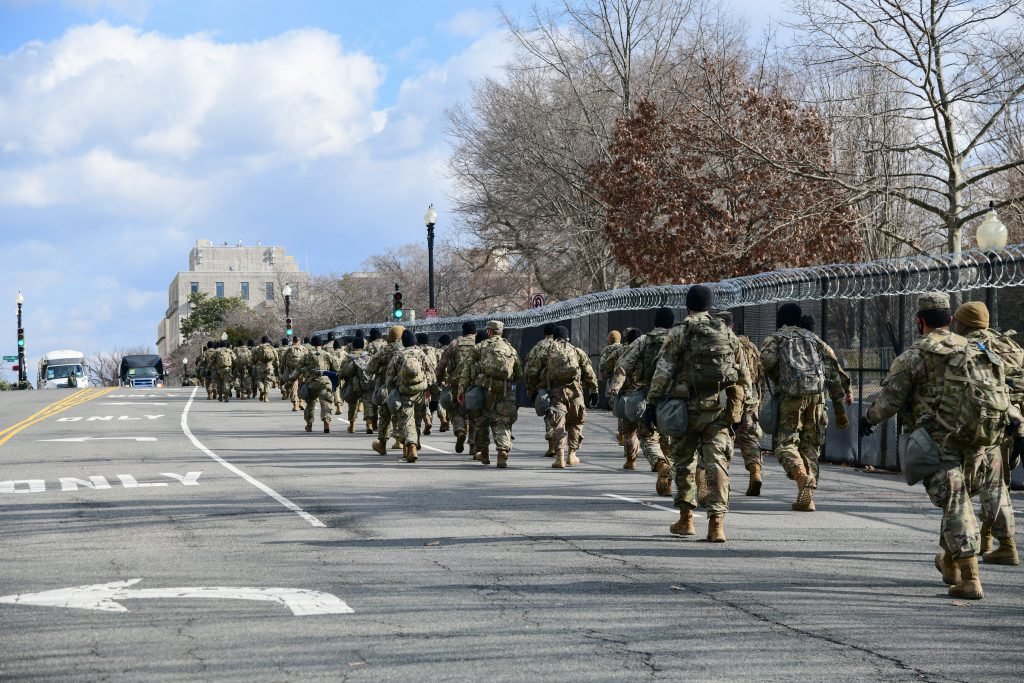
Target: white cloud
x=470, y=23
x=295, y=96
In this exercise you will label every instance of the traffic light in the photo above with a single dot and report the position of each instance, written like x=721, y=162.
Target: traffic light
x=21, y=337
x=15, y=368
x=396, y=304
x=288, y=330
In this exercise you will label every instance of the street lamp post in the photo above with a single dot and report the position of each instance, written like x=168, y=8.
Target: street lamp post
x=22, y=375
x=991, y=237
x=430, y=218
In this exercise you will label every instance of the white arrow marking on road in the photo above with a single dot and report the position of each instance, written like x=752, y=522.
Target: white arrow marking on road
x=83, y=439
x=104, y=596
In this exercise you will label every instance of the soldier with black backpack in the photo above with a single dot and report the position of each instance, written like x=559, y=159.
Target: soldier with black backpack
x=701, y=364
x=799, y=370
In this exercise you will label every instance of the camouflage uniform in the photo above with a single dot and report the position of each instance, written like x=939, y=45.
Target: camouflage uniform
x=281, y=383
x=222, y=362
x=802, y=419
x=500, y=409
x=293, y=357
x=533, y=366
x=205, y=366
x=749, y=438
x=310, y=373
x=568, y=408
x=708, y=441
x=450, y=368
x=264, y=368
x=629, y=375
x=243, y=371
x=606, y=368
x=339, y=356
x=379, y=364
x=361, y=392
x=407, y=418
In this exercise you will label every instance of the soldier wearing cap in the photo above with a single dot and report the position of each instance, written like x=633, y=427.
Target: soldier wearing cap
x=913, y=389
x=972, y=321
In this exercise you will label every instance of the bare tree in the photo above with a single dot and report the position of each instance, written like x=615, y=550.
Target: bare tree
x=105, y=366
x=931, y=82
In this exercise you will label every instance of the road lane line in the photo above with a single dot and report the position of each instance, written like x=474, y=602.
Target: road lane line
x=52, y=406
x=647, y=505
x=313, y=521
x=55, y=409
x=436, y=450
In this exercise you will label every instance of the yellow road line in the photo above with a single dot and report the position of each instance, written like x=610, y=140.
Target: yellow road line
x=70, y=398
x=76, y=399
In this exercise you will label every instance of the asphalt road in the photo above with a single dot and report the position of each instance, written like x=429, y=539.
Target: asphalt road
x=452, y=571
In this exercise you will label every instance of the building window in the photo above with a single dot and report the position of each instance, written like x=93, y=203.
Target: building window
x=195, y=287
x=220, y=290
x=245, y=291
x=270, y=291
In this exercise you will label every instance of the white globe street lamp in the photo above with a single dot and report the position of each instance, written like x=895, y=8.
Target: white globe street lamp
x=991, y=234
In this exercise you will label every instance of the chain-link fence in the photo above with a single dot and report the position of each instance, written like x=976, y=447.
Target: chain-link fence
x=865, y=311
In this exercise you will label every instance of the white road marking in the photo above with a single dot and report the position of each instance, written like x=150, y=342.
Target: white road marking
x=231, y=468
x=104, y=597
x=436, y=450
x=95, y=482
x=132, y=403
x=648, y=505
x=83, y=439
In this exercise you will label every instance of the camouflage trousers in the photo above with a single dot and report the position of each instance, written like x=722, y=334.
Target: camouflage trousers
x=568, y=415
x=708, y=443
x=638, y=439
x=950, y=490
x=407, y=418
x=320, y=391
x=211, y=388
x=499, y=414
x=264, y=381
x=800, y=435
x=222, y=381
x=369, y=412
x=384, y=418
x=748, y=440
x=986, y=481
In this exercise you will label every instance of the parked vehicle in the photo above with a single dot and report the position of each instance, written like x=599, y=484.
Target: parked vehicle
x=146, y=370
x=56, y=368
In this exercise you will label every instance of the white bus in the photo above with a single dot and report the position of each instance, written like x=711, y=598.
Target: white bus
x=57, y=367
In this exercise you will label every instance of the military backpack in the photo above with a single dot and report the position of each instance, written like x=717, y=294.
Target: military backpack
x=497, y=360
x=265, y=354
x=224, y=359
x=563, y=365
x=972, y=407
x=711, y=362
x=652, y=345
x=1012, y=355
x=801, y=369
x=361, y=380
x=412, y=378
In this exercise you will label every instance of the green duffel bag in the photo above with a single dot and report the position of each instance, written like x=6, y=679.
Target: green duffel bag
x=542, y=404
x=304, y=391
x=380, y=395
x=395, y=401
x=672, y=417
x=475, y=398
x=768, y=414
x=919, y=455
x=635, y=406
x=618, y=406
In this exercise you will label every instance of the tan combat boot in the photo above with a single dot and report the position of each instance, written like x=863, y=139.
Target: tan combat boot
x=630, y=464
x=295, y=407
x=397, y=445
x=701, y=479
x=663, y=486
x=327, y=426
x=944, y=563
x=444, y=426
x=427, y=426
x=754, y=487
x=502, y=459
x=969, y=586
x=351, y=428
x=460, y=442
x=370, y=427
x=804, y=492
x=619, y=438
x=986, y=539
x=684, y=525
x=551, y=449
x=309, y=426
x=572, y=459
x=380, y=447
x=485, y=455
x=559, y=463
x=716, y=528
x=409, y=450
x=1005, y=554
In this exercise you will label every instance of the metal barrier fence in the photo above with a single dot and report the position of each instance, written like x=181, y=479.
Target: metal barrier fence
x=865, y=311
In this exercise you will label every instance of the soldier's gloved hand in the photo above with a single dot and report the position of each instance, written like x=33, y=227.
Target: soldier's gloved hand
x=842, y=421
x=593, y=399
x=434, y=405
x=650, y=416
x=865, y=427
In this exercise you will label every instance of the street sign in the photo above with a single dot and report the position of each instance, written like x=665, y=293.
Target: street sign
x=430, y=313
x=10, y=359
x=539, y=300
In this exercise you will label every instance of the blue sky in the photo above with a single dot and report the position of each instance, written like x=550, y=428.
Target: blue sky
x=131, y=128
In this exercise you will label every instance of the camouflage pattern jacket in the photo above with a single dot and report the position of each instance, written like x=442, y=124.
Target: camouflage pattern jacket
x=833, y=371
x=609, y=358
x=398, y=359
x=314, y=363
x=469, y=373
x=453, y=357
x=381, y=361
x=628, y=375
x=586, y=379
x=755, y=371
x=535, y=360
